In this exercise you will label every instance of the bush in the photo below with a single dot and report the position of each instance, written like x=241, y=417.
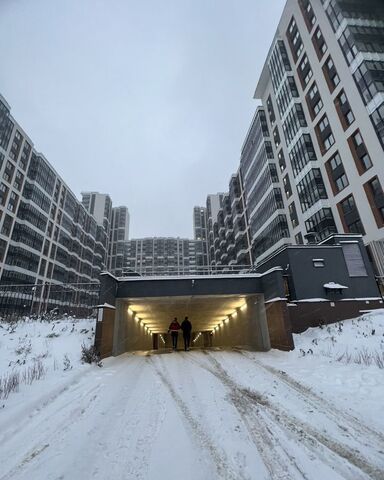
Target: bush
x=90, y=355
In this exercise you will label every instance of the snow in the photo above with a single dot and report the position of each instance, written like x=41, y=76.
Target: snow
x=334, y=286
x=312, y=413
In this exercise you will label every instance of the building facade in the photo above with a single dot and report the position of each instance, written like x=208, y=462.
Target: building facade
x=161, y=256
x=46, y=234
x=119, y=237
x=200, y=235
x=265, y=203
x=322, y=89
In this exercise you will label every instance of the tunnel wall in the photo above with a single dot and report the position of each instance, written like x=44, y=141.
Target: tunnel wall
x=247, y=329
x=129, y=335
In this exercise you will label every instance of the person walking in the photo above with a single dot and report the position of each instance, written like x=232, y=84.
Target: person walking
x=186, y=327
x=173, y=329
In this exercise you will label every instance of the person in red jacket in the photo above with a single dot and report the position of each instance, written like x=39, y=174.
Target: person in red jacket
x=173, y=329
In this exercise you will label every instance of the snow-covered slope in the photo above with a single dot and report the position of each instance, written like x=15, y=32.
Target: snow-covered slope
x=308, y=414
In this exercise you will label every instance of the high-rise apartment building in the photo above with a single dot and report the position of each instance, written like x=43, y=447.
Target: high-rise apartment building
x=46, y=234
x=228, y=227
x=322, y=89
x=200, y=235
x=119, y=237
x=161, y=256
x=265, y=205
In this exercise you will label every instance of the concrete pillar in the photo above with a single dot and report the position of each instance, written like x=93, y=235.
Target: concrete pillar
x=105, y=324
x=279, y=325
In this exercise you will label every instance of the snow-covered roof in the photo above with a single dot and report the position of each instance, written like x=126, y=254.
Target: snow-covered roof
x=106, y=305
x=334, y=286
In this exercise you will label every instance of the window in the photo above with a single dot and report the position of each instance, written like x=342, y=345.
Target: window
x=321, y=224
x=294, y=40
x=308, y=13
x=293, y=215
x=3, y=194
x=318, y=262
x=304, y=71
x=375, y=195
x=344, y=110
x=319, y=43
x=311, y=189
x=8, y=172
x=13, y=201
x=281, y=159
x=302, y=153
x=324, y=135
x=287, y=186
x=359, y=152
x=350, y=216
x=314, y=101
x=369, y=78
x=7, y=226
x=377, y=118
x=299, y=239
x=330, y=74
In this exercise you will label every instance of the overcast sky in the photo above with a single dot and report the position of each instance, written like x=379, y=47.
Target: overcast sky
x=147, y=100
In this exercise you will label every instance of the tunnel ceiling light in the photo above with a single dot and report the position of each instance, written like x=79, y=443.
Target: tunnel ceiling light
x=234, y=313
x=243, y=307
x=130, y=311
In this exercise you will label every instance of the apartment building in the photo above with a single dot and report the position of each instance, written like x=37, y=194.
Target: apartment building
x=119, y=236
x=322, y=89
x=266, y=206
x=46, y=234
x=228, y=226
x=200, y=235
x=161, y=256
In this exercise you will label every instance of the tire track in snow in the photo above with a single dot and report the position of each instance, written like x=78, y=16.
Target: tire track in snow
x=272, y=452
x=321, y=404
x=313, y=438
x=51, y=432
x=221, y=464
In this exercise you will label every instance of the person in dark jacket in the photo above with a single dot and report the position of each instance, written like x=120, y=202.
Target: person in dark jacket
x=173, y=329
x=186, y=327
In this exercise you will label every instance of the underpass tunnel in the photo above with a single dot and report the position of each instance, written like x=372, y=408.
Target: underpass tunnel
x=217, y=321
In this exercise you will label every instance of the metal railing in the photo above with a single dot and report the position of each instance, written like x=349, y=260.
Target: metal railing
x=48, y=300
x=186, y=270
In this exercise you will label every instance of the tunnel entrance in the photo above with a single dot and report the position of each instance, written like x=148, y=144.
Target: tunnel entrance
x=217, y=320
x=225, y=311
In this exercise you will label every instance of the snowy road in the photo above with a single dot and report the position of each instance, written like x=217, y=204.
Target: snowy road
x=196, y=415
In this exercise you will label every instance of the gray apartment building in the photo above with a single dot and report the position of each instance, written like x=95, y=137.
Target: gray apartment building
x=322, y=90
x=115, y=221
x=265, y=204
x=228, y=229
x=200, y=235
x=46, y=234
x=161, y=256
x=311, y=165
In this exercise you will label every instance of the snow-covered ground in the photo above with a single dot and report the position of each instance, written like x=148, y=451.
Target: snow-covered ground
x=314, y=413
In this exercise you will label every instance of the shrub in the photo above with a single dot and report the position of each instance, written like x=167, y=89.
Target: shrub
x=90, y=355
x=67, y=363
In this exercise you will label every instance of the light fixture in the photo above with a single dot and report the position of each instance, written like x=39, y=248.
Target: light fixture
x=243, y=307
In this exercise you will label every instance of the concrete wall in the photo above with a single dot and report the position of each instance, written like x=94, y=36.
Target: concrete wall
x=305, y=315
x=129, y=335
x=248, y=328
x=279, y=325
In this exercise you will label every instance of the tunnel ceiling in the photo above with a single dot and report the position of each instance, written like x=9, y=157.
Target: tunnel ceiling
x=205, y=312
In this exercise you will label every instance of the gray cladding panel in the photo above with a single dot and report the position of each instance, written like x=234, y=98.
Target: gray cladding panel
x=189, y=287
